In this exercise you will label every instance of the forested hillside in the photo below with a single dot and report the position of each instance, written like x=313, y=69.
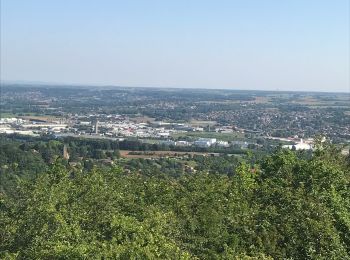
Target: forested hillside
x=285, y=206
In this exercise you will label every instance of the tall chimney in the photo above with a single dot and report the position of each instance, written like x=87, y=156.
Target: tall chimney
x=65, y=152
x=96, y=127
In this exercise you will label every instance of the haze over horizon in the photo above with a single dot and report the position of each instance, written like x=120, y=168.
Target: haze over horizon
x=260, y=45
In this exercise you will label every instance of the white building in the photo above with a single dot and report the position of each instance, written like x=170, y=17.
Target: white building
x=167, y=142
x=202, y=143
x=222, y=144
x=182, y=143
x=210, y=140
x=299, y=146
x=11, y=120
x=163, y=134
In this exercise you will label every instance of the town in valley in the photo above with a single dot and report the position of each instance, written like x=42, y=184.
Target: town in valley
x=191, y=120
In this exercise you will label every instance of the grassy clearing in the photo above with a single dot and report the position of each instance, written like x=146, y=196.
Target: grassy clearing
x=40, y=117
x=202, y=123
x=142, y=119
x=7, y=115
x=339, y=101
x=260, y=100
x=22, y=115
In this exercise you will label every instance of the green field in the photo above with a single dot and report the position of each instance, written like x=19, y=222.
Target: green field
x=7, y=115
x=10, y=115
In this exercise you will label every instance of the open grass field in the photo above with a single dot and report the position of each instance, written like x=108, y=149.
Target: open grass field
x=260, y=100
x=29, y=116
x=337, y=101
x=199, y=123
x=20, y=115
x=7, y=115
x=257, y=100
x=224, y=102
x=41, y=118
x=142, y=119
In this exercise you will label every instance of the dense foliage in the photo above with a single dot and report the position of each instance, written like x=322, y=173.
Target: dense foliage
x=286, y=206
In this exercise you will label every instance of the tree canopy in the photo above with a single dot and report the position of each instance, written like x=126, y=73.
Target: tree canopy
x=286, y=206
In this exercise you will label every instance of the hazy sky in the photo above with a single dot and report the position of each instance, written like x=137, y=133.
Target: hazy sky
x=238, y=44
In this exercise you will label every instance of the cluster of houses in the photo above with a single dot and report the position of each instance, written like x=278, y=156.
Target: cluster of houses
x=206, y=143
x=120, y=126
x=300, y=145
x=30, y=127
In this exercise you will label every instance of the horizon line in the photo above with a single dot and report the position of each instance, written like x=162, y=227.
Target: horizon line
x=65, y=84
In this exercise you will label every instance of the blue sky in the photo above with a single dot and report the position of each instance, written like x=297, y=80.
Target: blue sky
x=237, y=44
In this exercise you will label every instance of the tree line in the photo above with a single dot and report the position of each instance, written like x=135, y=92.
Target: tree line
x=284, y=206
